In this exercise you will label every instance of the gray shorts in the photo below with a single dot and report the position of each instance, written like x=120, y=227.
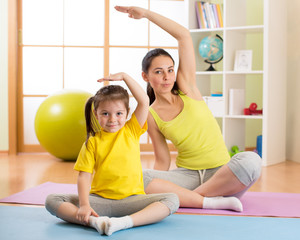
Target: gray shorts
x=246, y=166
x=114, y=208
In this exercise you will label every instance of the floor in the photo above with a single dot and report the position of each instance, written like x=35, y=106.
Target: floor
x=23, y=171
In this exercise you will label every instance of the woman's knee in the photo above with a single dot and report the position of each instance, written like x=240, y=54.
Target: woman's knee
x=146, y=178
x=246, y=166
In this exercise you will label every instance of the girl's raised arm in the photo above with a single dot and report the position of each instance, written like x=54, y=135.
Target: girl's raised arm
x=186, y=78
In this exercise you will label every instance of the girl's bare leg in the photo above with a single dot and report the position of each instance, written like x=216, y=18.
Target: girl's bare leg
x=154, y=212
x=68, y=211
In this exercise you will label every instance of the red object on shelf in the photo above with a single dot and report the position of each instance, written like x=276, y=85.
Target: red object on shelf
x=252, y=110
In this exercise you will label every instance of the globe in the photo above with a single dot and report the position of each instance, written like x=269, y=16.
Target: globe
x=211, y=49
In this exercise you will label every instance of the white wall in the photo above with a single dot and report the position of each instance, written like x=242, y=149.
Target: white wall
x=293, y=81
x=3, y=77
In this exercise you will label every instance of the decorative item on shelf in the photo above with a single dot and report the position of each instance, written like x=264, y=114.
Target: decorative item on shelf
x=215, y=104
x=236, y=101
x=211, y=49
x=259, y=145
x=216, y=94
x=234, y=150
x=252, y=110
x=243, y=60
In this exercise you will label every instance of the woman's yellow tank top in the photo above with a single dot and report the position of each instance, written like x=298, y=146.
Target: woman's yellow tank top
x=196, y=135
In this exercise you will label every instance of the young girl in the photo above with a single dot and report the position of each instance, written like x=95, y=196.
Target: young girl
x=110, y=183
x=206, y=177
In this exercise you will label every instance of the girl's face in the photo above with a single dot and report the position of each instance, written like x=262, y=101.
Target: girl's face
x=111, y=115
x=161, y=74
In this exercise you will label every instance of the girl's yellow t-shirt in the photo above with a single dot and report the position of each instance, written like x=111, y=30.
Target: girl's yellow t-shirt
x=114, y=159
x=196, y=135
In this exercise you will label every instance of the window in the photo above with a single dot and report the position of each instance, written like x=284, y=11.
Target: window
x=72, y=43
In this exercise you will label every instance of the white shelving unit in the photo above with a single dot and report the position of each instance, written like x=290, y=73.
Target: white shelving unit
x=255, y=25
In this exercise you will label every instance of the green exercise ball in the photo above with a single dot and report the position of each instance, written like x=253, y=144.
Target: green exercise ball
x=60, y=123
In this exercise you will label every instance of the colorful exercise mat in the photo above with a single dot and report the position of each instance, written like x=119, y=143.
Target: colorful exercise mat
x=254, y=203
x=37, y=195
x=30, y=223
x=269, y=204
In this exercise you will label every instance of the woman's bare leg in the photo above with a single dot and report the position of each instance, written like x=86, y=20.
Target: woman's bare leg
x=222, y=183
x=186, y=197
x=193, y=199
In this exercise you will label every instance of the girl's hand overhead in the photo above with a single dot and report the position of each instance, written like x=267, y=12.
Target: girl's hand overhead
x=112, y=77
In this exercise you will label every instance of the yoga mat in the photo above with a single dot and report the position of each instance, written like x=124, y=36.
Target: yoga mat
x=37, y=195
x=28, y=223
x=260, y=204
x=254, y=203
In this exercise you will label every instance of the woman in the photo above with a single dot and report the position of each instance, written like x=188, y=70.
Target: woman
x=206, y=177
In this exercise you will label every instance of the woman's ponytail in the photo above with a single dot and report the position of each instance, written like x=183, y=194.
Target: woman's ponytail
x=150, y=93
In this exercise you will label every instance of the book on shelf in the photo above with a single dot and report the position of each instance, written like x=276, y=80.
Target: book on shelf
x=209, y=15
x=204, y=14
x=214, y=9
x=199, y=15
x=199, y=19
x=219, y=12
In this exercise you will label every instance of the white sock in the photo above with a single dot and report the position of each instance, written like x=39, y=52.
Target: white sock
x=231, y=203
x=115, y=224
x=98, y=223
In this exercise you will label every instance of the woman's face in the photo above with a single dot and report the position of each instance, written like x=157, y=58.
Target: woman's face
x=161, y=74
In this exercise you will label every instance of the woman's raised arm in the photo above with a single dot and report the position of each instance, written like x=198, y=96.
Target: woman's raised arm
x=186, y=78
